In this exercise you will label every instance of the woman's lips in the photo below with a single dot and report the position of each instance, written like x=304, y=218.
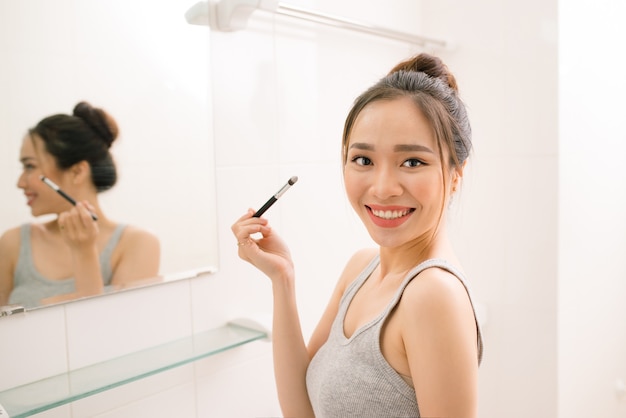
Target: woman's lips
x=29, y=198
x=389, y=216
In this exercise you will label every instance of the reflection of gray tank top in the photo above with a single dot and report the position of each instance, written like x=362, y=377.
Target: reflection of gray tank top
x=349, y=377
x=29, y=286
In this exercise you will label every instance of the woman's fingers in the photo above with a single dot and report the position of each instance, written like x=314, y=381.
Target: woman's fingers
x=247, y=215
x=246, y=226
x=77, y=225
x=82, y=215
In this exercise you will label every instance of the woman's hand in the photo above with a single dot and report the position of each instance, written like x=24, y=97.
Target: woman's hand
x=80, y=233
x=78, y=229
x=268, y=253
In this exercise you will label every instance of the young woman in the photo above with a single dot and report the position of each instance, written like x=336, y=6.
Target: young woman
x=72, y=255
x=399, y=337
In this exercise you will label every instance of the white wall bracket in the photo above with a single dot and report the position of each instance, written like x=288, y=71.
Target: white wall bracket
x=227, y=15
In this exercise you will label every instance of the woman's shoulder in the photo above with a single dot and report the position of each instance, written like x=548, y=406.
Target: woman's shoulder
x=362, y=257
x=10, y=238
x=435, y=281
x=135, y=235
x=10, y=242
x=356, y=264
x=136, y=242
x=435, y=291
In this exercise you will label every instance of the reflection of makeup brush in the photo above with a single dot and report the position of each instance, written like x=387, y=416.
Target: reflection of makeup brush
x=274, y=198
x=57, y=189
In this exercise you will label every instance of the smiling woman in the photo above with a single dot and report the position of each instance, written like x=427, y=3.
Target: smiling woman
x=146, y=66
x=399, y=335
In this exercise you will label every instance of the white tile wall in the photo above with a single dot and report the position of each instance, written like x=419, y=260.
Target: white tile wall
x=175, y=402
x=167, y=394
x=122, y=323
x=64, y=411
x=592, y=241
x=32, y=346
x=237, y=383
x=243, y=83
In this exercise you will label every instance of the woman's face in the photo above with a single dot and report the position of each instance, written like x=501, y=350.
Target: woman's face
x=393, y=174
x=35, y=163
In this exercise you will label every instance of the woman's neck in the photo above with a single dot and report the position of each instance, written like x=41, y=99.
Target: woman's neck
x=403, y=258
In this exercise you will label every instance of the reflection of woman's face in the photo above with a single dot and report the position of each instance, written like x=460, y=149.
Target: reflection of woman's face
x=36, y=162
x=393, y=173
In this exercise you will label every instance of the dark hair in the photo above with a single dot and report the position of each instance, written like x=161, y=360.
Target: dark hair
x=86, y=135
x=428, y=82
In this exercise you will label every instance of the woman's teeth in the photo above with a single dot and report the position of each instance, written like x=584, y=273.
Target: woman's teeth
x=390, y=214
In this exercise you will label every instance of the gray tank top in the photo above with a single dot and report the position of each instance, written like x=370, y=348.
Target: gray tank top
x=29, y=286
x=349, y=377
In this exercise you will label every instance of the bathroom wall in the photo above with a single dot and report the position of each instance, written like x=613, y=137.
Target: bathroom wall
x=532, y=224
x=592, y=204
x=507, y=232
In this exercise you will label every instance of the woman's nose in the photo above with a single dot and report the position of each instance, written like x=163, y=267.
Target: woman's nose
x=21, y=181
x=386, y=184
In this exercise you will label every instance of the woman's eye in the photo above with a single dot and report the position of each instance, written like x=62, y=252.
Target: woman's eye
x=362, y=161
x=412, y=162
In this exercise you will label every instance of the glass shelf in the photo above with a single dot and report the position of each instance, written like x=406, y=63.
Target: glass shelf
x=32, y=398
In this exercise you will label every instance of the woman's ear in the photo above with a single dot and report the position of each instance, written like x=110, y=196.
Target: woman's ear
x=457, y=175
x=81, y=172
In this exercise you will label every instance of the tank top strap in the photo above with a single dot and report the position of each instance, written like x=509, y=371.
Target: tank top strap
x=25, y=246
x=443, y=264
x=25, y=262
x=346, y=299
x=107, y=251
x=361, y=278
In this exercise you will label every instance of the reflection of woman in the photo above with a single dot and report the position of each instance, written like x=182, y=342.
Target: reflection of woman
x=399, y=336
x=72, y=255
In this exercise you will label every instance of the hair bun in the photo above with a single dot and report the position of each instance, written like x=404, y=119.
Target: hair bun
x=430, y=65
x=100, y=121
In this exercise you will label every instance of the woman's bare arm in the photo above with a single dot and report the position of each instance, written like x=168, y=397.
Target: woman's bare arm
x=440, y=338
x=9, y=251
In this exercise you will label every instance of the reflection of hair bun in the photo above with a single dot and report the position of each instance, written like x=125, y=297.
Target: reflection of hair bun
x=99, y=120
x=429, y=64
x=86, y=135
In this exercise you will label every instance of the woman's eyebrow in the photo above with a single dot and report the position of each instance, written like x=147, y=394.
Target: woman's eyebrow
x=411, y=148
x=396, y=148
x=26, y=159
x=363, y=146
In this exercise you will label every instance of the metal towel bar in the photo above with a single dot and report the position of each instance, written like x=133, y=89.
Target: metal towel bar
x=231, y=15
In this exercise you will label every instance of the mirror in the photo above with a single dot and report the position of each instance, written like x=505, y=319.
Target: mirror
x=146, y=66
